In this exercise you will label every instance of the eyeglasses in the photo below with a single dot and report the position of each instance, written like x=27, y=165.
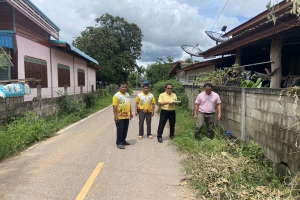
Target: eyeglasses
x=169, y=88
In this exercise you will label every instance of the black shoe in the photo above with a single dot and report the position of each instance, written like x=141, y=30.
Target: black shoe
x=120, y=146
x=172, y=137
x=126, y=143
x=160, y=140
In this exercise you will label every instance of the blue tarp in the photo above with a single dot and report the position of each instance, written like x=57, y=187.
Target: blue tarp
x=14, y=90
x=6, y=39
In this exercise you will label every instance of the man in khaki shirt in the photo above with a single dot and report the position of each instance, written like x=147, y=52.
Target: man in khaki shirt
x=166, y=102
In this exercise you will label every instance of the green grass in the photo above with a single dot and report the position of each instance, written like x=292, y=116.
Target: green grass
x=28, y=129
x=222, y=169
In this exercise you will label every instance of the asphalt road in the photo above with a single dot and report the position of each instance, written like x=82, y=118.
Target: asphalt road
x=83, y=162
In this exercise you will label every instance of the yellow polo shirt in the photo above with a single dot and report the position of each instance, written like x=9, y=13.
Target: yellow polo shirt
x=164, y=97
x=145, y=102
x=122, y=102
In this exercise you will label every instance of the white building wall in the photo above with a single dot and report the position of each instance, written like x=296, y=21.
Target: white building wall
x=191, y=74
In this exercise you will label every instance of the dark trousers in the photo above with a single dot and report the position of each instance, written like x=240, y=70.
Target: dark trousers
x=209, y=120
x=122, y=128
x=142, y=117
x=164, y=116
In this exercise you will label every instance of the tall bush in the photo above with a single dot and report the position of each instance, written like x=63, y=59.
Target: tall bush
x=178, y=89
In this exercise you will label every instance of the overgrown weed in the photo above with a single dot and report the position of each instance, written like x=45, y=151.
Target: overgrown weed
x=223, y=169
x=23, y=131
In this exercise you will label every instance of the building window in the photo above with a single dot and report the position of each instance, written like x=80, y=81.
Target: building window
x=81, y=77
x=63, y=75
x=36, y=68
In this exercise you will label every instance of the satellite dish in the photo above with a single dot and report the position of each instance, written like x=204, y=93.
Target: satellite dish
x=192, y=50
x=218, y=36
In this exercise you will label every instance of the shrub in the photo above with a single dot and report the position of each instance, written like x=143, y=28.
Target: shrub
x=223, y=169
x=178, y=89
x=69, y=105
x=27, y=129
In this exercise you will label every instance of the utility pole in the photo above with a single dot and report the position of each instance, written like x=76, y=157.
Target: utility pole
x=136, y=87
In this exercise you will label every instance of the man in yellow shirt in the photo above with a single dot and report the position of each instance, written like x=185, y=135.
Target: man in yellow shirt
x=145, y=107
x=122, y=114
x=166, y=102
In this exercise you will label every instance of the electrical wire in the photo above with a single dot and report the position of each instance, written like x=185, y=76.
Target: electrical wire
x=216, y=20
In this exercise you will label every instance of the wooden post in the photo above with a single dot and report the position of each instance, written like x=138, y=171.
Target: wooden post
x=39, y=92
x=275, y=56
x=101, y=93
x=65, y=90
x=92, y=88
x=238, y=57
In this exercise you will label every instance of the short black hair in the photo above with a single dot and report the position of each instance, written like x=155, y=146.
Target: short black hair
x=145, y=85
x=208, y=85
x=123, y=83
x=168, y=84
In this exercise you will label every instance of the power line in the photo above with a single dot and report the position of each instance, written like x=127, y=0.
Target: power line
x=216, y=20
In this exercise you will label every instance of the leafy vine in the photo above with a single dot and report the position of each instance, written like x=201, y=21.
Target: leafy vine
x=295, y=10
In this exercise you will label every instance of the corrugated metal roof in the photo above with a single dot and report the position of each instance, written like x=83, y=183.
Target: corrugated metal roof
x=84, y=55
x=76, y=50
x=6, y=39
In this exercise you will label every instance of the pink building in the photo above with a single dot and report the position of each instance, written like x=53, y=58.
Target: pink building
x=25, y=35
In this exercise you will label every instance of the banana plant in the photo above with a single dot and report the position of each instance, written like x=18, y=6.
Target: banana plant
x=252, y=84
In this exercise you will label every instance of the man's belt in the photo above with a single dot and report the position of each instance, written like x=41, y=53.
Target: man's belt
x=207, y=113
x=144, y=111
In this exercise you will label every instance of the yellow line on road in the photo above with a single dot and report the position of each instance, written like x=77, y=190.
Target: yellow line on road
x=89, y=182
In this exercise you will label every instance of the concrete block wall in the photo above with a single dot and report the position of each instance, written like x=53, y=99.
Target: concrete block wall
x=11, y=107
x=256, y=115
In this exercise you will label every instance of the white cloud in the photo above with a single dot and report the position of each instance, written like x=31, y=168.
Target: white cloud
x=166, y=24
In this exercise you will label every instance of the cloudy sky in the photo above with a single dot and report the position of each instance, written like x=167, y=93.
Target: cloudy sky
x=165, y=24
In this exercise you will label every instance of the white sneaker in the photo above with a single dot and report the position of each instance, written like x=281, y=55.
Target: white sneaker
x=150, y=137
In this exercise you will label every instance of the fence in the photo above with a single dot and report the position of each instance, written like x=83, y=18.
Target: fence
x=256, y=114
x=10, y=107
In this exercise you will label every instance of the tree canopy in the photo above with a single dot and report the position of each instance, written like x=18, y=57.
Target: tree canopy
x=115, y=43
x=188, y=60
x=159, y=71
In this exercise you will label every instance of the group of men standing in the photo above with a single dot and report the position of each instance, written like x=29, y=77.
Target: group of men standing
x=205, y=105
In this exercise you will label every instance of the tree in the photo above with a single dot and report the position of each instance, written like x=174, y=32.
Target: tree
x=115, y=43
x=160, y=70
x=135, y=77
x=188, y=60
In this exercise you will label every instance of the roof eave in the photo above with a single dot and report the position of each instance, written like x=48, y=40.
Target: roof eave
x=198, y=65
x=259, y=18
x=74, y=50
x=27, y=8
x=92, y=65
x=266, y=30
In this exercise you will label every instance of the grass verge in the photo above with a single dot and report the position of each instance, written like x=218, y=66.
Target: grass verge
x=222, y=169
x=28, y=129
